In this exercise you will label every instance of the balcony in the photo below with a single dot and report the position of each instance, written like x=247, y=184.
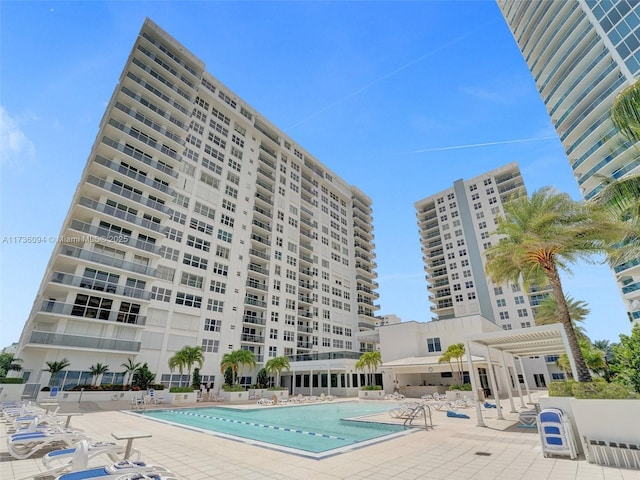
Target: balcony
x=259, y=253
x=92, y=313
x=253, y=320
x=96, y=257
x=110, y=236
x=127, y=193
x=255, y=302
x=121, y=214
x=83, y=342
x=254, y=267
x=246, y=337
x=96, y=285
x=251, y=283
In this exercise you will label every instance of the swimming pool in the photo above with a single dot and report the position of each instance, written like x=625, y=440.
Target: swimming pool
x=316, y=430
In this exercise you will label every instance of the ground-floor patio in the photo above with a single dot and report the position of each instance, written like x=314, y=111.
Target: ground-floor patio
x=455, y=449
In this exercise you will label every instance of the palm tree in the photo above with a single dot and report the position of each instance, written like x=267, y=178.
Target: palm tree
x=246, y=358
x=187, y=358
x=9, y=362
x=541, y=235
x=369, y=361
x=547, y=313
x=56, y=367
x=454, y=352
x=625, y=112
x=97, y=370
x=277, y=364
x=607, y=354
x=130, y=368
x=237, y=360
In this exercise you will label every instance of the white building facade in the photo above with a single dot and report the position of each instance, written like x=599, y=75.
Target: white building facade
x=198, y=223
x=581, y=53
x=455, y=228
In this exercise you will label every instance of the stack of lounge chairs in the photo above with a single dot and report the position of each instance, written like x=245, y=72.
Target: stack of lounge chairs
x=69, y=451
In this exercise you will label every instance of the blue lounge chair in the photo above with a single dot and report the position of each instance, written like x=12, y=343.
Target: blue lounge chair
x=123, y=470
x=23, y=445
x=453, y=414
x=556, y=434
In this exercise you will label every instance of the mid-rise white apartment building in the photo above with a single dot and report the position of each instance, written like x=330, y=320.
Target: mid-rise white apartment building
x=455, y=227
x=581, y=53
x=197, y=222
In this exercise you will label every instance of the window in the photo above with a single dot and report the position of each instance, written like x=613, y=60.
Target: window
x=220, y=269
x=201, y=226
x=225, y=236
x=161, y=294
x=188, y=300
x=195, y=261
x=504, y=315
x=198, y=243
x=212, y=325
x=501, y=302
x=433, y=344
x=218, y=287
x=190, y=280
x=209, y=345
x=215, y=305
x=523, y=312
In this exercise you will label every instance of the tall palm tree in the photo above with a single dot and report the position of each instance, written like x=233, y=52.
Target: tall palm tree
x=97, y=370
x=369, y=361
x=246, y=358
x=230, y=360
x=130, y=368
x=542, y=234
x=547, y=313
x=454, y=351
x=187, y=357
x=56, y=367
x=277, y=364
x=625, y=112
x=237, y=360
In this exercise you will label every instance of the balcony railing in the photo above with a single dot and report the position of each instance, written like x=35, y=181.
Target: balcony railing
x=253, y=320
x=252, y=338
x=96, y=257
x=96, y=285
x=83, y=342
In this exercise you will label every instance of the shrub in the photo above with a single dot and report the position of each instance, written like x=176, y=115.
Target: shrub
x=232, y=388
x=371, y=387
x=465, y=387
x=11, y=380
x=277, y=388
x=561, y=389
x=181, y=390
x=600, y=389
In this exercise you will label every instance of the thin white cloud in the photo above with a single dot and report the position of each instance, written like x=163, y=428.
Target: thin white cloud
x=15, y=146
x=484, y=94
x=476, y=145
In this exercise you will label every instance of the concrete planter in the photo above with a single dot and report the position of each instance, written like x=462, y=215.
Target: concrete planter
x=278, y=393
x=93, y=396
x=235, y=396
x=178, y=398
x=371, y=394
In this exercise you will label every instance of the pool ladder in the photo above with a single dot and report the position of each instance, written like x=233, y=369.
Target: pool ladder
x=420, y=410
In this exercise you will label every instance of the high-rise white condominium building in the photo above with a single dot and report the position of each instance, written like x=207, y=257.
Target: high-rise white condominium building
x=581, y=53
x=455, y=228
x=198, y=223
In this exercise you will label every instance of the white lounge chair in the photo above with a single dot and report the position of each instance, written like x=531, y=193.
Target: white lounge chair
x=23, y=445
x=154, y=397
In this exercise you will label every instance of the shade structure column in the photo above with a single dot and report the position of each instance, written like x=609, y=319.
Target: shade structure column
x=515, y=374
x=507, y=378
x=524, y=376
x=328, y=381
x=473, y=376
x=494, y=384
x=310, y=382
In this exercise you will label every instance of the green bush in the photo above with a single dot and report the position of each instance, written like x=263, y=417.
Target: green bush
x=371, y=387
x=561, y=389
x=181, y=390
x=465, y=387
x=600, y=389
x=232, y=388
x=11, y=380
x=277, y=388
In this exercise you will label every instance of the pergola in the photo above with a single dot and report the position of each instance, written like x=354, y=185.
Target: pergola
x=499, y=347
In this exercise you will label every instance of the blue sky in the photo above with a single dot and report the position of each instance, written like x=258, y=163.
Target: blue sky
x=377, y=91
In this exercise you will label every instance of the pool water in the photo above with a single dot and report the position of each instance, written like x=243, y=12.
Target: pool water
x=317, y=429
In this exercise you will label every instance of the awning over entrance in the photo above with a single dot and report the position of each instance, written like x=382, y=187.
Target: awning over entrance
x=424, y=364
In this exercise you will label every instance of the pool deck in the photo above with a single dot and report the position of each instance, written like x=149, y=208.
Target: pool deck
x=456, y=449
